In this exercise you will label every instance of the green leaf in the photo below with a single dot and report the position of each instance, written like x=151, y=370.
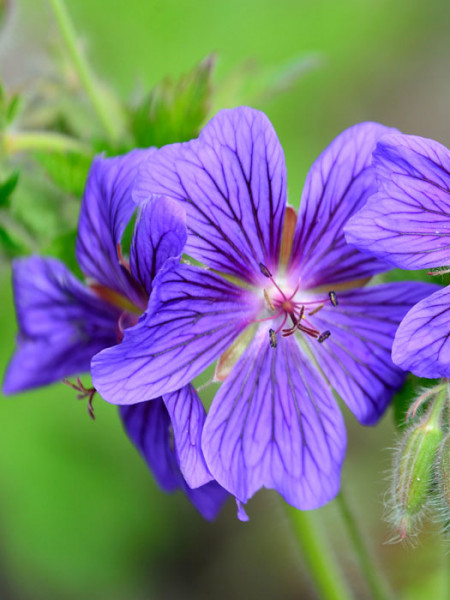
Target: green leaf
x=174, y=111
x=68, y=171
x=7, y=187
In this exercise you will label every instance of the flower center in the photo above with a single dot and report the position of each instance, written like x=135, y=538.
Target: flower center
x=293, y=314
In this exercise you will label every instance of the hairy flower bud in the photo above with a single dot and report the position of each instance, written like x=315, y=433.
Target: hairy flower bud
x=443, y=481
x=413, y=469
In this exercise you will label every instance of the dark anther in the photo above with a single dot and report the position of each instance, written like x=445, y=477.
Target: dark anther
x=264, y=270
x=273, y=338
x=324, y=336
x=333, y=298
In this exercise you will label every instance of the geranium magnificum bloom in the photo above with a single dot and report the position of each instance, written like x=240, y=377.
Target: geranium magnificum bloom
x=407, y=224
x=280, y=305
x=63, y=323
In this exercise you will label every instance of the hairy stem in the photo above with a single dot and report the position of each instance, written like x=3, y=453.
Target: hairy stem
x=84, y=71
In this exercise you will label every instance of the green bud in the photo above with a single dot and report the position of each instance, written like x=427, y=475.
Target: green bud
x=443, y=482
x=413, y=470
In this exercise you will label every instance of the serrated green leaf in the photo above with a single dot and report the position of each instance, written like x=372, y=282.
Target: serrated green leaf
x=174, y=111
x=7, y=187
x=68, y=171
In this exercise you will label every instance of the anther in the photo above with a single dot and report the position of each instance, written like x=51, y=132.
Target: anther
x=268, y=300
x=272, y=338
x=333, y=298
x=323, y=336
x=265, y=271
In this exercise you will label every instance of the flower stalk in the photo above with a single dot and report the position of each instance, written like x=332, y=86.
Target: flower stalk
x=15, y=142
x=372, y=574
x=320, y=561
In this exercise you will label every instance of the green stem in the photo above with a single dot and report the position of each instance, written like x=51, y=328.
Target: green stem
x=83, y=69
x=321, y=563
x=14, y=142
x=374, y=579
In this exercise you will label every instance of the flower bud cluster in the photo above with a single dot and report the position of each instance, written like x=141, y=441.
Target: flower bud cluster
x=421, y=470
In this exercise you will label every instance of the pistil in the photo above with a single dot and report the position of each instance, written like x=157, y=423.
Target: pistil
x=287, y=307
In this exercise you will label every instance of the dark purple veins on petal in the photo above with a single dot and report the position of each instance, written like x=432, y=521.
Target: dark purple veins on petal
x=274, y=424
x=338, y=184
x=232, y=180
x=192, y=318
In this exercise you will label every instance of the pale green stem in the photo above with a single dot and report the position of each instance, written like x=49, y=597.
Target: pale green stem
x=372, y=573
x=83, y=69
x=14, y=142
x=320, y=561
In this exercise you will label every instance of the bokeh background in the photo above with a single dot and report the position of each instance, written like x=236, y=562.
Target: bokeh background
x=80, y=517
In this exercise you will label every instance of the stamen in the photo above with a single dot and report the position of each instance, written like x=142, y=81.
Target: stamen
x=84, y=392
x=268, y=300
x=265, y=271
x=439, y=271
x=323, y=336
x=272, y=338
x=316, y=310
x=333, y=298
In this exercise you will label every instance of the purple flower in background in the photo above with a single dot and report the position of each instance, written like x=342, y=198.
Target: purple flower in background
x=280, y=306
x=407, y=224
x=63, y=323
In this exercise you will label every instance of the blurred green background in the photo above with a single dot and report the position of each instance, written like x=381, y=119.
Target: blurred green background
x=79, y=515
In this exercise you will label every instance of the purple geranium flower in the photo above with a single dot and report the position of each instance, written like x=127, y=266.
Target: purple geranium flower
x=274, y=289
x=407, y=224
x=63, y=323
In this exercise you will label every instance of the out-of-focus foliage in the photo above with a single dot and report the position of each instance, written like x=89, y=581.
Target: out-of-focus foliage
x=174, y=111
x=68, y=171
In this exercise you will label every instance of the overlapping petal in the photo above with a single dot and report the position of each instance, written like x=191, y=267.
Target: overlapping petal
x=275, y=424
x=338, y=184
x=232, y=181
x=422, y=342
x=356, y=358
x=61, y=324
x=160, y=234
x=192, y=317
x=106, y=209
x=187, y=416
x=148, y=426
x=408, y=222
